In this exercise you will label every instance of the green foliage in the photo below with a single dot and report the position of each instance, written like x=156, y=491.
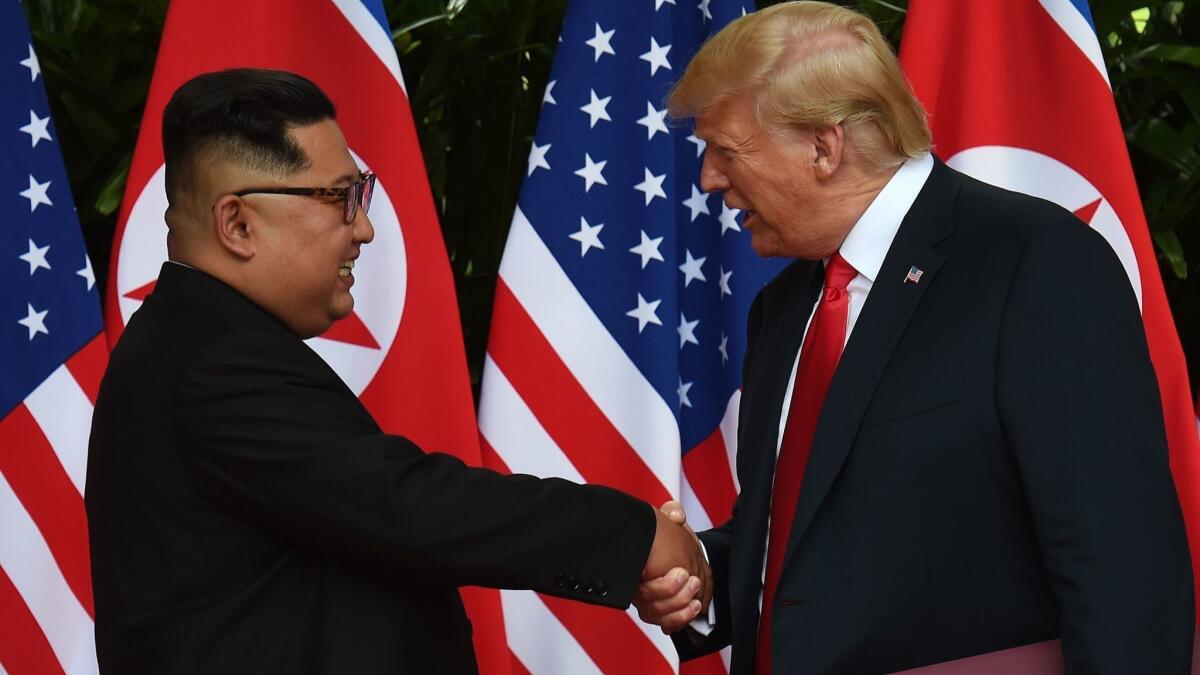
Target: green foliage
x=476, y=70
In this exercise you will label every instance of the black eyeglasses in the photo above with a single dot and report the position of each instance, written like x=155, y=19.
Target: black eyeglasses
x=355, y=195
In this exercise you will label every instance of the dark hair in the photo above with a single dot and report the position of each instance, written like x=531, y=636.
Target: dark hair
x=243, y=113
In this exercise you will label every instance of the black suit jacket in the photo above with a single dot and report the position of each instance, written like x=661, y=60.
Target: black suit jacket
x=989, y=469
x=248, y=516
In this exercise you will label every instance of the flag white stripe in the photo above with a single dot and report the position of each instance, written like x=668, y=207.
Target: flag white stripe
x=531, y=628
x=26, y=559
x=589, y=351
x=1079, y=30
x=655, y=635
x=697, y=515
x=729, y=425
x=374, y=35
x=515, y=434
x=64, y=413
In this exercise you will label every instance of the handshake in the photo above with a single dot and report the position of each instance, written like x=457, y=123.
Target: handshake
x=676, y=583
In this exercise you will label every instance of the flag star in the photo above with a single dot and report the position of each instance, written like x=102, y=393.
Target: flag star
x=648, y=249
x=537, y=158
x=687, y=331
x=548, y=97
x=600, y=43
x=37, y=128
x=645, y=313
x=35, y=321
x=691, y=269
x=697, y=203
x=659, y=3
x=592, y=172
x=36, y=194
x=656, y=57
x=588, y=236
x=597, y=109
x=36, y=257
x=703, y=7
x=32, y=64
x=651, y=186
x=728, y=218
x=682, y=391
x=723, y=282
x=699, y=144
x=724, y=348
x=87, y=272
x=654, y=121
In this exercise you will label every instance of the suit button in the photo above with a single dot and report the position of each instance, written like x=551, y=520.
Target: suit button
x=586, y=585
x=573, y=582
x=560, y=580
x=602, y=589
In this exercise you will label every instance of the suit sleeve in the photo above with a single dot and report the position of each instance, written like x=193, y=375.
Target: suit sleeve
x=1080, y=406
x=271, y=436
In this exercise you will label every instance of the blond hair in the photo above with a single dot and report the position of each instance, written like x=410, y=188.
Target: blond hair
x=809, y=65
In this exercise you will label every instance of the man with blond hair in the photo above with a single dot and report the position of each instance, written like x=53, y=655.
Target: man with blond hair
x=950, y=441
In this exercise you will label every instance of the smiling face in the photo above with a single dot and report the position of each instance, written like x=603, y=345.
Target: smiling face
x=303, y=252
x=780, y=180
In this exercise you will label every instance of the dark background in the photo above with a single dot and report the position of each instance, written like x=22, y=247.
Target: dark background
x=476, y=71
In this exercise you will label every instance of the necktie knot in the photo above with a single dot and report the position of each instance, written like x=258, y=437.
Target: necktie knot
x=839, y=273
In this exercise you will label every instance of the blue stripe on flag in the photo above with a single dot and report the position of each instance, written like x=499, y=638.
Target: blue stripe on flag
x=1083, y=8
x=375, y=7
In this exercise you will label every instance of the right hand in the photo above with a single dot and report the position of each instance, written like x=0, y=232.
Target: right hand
x=672, y=598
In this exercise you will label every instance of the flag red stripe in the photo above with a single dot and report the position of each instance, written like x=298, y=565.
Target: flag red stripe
x=597, y=629
x=36, y=476
x=563, y=407
x=609, y=637
x=518, y=668
x=705, y=665
x=707, y=469
x=23, y=647
x=87, y=366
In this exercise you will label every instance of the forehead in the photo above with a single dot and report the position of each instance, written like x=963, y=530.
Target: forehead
x=326, y=149
x=731, y=118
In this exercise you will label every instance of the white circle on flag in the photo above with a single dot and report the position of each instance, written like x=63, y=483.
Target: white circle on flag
x=1033, y=173
x=381, y=280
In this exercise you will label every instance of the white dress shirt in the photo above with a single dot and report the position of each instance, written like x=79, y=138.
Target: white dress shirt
x=864, y=248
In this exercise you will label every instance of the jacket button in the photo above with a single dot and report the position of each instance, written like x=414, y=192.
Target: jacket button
x=586, y=585
x=602, y=589
x=560, y=580
x=573, y=582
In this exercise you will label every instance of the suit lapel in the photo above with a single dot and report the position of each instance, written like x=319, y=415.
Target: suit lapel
x=884, y=317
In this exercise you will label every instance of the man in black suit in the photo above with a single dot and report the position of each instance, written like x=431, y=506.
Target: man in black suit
x=983, y=464
x=246, y=512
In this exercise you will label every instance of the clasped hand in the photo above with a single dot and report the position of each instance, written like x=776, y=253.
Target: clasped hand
x=677, y=582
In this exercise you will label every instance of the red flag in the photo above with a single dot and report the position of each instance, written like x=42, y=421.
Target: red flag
x=401, y=351
x=1019, y=96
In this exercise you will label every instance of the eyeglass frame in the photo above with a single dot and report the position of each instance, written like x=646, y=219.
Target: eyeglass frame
x=364, y=186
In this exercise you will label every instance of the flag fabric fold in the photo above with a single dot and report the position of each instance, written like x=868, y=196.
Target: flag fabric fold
x=52, y=356
x=401, y=350
x=619, y=322
x=1019, y=96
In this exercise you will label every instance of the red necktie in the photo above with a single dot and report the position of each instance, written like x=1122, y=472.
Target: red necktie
x=818, y=361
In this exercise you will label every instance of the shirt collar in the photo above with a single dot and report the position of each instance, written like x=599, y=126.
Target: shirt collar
x=871, y=237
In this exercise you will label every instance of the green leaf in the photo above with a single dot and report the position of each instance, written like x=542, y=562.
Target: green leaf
x=413, y=25
x=109, y=198
x=1171, y=248
x=1185, y=54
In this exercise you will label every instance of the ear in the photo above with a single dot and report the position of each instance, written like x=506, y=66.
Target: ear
x=830, y=143
x=230, y=223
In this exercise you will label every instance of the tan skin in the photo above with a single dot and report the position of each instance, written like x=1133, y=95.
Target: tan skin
x=802, y=190
x=283, y=252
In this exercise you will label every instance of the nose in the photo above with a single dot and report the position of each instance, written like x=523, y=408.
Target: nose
x=712, y=179
x=364, y=231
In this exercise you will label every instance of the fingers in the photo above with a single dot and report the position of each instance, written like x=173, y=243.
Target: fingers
x=674, y=510
x=671, y=601
x=680, y=619
x=663, y=587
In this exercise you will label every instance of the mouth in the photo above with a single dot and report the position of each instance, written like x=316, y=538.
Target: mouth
x=346, y=268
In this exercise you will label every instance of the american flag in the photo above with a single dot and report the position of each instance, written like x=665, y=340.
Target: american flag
x=914, y=275
x=51, y=358
x=619, y=321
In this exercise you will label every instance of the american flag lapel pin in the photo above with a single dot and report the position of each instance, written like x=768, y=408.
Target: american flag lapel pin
x=914, y=275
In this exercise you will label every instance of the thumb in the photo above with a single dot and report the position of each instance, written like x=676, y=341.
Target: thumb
x=674, y=511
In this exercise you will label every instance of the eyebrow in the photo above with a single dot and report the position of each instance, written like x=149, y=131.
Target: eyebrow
x=348, y=178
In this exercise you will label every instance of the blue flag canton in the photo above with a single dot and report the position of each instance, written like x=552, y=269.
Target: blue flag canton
x=49, y=304
x=613, y=189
